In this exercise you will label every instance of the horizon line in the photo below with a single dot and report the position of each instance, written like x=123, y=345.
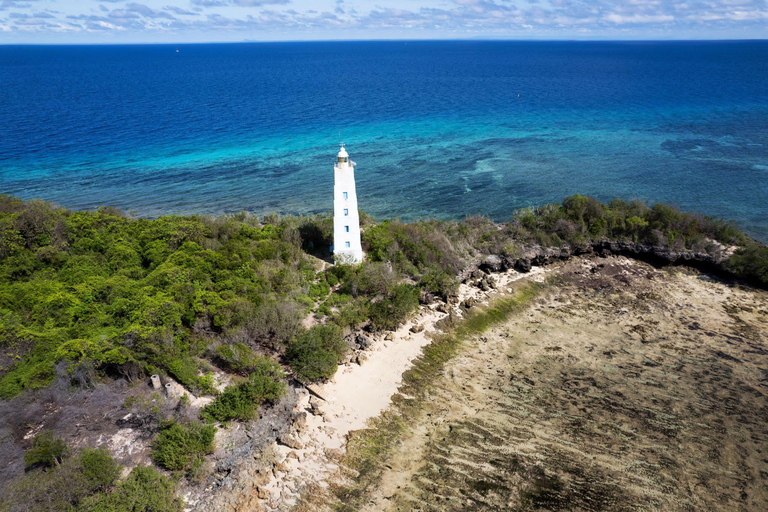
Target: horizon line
x=473, y=39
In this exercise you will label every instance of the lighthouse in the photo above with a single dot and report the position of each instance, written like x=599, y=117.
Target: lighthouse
x=346, y=220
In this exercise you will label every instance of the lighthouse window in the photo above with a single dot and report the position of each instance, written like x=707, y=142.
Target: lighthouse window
x=346, y=244
x=346, y=196
x=346, y=211
x=346, y=229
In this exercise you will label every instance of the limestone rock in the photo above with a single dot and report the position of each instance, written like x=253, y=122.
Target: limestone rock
x=300, y=421
x=491, y=263
x=315, y=406
x=363, y=342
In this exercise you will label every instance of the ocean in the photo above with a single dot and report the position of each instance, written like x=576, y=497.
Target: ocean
x=438, y=129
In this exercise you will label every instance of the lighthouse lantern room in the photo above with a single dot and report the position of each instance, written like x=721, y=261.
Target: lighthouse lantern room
x=346, y=220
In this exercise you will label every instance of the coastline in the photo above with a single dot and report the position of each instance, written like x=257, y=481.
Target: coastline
x=334, y=444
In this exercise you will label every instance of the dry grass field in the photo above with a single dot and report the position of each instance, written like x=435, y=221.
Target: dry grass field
x=621, y=387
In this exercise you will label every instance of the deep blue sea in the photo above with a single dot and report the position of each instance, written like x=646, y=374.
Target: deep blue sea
x=438, y=129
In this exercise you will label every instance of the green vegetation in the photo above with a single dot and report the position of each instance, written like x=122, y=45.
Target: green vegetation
x=63, y=487
x=182, y=447
x=389, y=312
x=751, y=262
x=87, y=481
x=316, y=353
x=99, y=296
x=238, y=357
x=145, y=490
x=581, y=218
x=240, y=402
x=46, y=450
x=138, y=296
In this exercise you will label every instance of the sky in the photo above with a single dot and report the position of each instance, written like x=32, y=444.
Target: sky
x=180, y=21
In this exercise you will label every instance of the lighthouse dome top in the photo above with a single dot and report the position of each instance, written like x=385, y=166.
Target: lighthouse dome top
x=343, y=152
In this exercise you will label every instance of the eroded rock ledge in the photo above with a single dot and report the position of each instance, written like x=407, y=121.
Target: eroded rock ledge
x=709, y=261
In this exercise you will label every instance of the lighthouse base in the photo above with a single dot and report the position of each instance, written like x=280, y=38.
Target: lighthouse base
x=348, y=257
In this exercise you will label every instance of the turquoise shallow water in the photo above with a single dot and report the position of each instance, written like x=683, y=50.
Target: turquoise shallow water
x=437, y=128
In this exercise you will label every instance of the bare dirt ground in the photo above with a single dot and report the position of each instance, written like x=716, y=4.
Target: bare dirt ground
x=622, y=387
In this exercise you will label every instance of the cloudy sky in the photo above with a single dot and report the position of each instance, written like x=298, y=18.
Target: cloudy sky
x=176, y=21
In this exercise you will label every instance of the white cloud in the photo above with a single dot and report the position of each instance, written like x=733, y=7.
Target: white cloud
x=620, y=19
x=399, y=18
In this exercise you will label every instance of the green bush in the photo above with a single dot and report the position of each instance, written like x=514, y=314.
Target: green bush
x=750, y=263
x=65, y=486
x=241, y=401
x=439, y=282
x=319, y=290
x=390, y=312
x=180, y=446
x=145, y=490
x=46, y=450
x=238, y=357
x=352, y=314
x=316, y=353
x=185, y=369
x=98, y=469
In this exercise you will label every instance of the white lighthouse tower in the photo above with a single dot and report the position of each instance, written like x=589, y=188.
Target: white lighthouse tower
x=346, y=220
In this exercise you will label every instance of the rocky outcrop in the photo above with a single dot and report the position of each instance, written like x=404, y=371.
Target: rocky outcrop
x=238, y=471
x=536, y=255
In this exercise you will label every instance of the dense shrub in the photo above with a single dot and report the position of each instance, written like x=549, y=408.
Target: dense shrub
x=185, y=370
x=238, y=357
x=439, y=282
x=241, y=401
x=65, y=486
x=130, y=296
x=389, y=312
x=351, y=314
x=751, y=263
x=98, y=469
x=180, y=446
x=145, y=490
x=316, y=353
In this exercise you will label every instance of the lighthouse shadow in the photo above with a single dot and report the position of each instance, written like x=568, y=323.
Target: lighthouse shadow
x=317, y=237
